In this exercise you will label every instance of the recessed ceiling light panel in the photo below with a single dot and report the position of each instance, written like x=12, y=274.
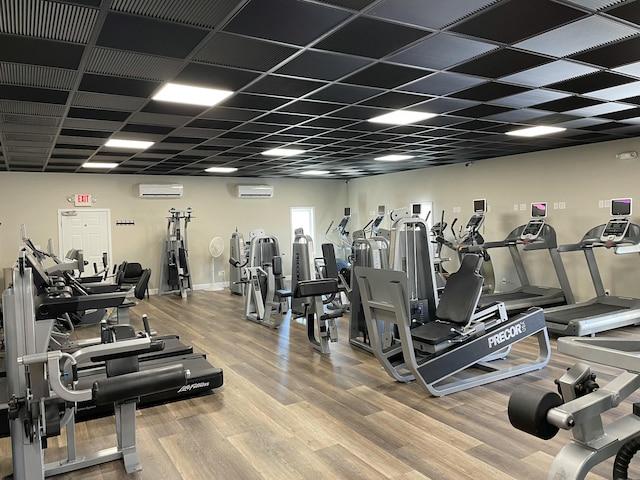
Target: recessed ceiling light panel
x=208, y=97
x=401, y=117
x=535, y=131
x=393, y=158
x=99, y=165
x=221, y=169
x=133, y=144
x=282, y=152
x=315, y=172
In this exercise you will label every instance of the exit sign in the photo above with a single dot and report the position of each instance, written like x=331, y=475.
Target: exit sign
x=82, y=200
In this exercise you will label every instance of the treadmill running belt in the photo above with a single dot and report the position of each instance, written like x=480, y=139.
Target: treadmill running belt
x=506, y=297
x=582, y=311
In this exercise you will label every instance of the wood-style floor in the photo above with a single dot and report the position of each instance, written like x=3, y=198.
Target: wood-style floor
x=286, y=412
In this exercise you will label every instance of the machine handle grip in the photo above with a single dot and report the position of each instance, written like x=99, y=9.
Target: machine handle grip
x=137, y=384
x=145, y=322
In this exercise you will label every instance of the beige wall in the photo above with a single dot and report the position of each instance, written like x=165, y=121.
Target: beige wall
x=578, y=176
x=34, y=199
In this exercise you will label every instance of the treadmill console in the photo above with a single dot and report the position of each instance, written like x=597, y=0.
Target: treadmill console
x=615, y=230
x=532, y=230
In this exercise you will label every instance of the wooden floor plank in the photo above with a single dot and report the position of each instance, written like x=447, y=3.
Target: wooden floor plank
x=287, y=412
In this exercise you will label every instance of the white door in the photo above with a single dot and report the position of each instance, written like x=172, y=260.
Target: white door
x=86, y=230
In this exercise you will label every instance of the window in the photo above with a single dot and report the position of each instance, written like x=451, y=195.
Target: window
x=303, y=217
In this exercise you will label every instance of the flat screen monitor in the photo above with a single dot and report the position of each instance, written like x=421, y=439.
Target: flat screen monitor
x=620, y=207
x=343, y=223
x=475, y=221
x=382, y=210
x=415, y=209
x=539, y=210
x=480, y=205
x=347, y=211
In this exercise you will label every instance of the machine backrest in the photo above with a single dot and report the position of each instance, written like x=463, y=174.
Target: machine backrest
x=143, y=284
x=330, y=264
x=132, y=270
x=462, y=292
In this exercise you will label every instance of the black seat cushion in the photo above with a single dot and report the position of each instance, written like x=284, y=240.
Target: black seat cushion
x=462, y=292
x=433, y=333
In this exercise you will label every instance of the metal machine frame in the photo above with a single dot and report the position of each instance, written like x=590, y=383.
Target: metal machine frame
x=175, y=274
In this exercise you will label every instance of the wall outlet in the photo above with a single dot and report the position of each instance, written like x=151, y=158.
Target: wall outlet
x=607, y=292
x=220, y=273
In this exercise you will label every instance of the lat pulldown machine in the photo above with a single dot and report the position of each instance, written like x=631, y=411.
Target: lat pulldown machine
x=175, y=274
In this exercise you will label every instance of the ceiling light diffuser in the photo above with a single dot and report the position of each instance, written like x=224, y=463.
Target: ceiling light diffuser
x=315, y=172
x=104, y=166
x=393, y=158
x=402, y=117
x=282, y=152
x=535, y=131
x=221, y=169
x=174, y=92
x=135, y=144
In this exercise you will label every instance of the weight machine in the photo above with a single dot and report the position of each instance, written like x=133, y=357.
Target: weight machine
x=302, y=268
x=43, y=385
x=238, y=250
x=175, y=274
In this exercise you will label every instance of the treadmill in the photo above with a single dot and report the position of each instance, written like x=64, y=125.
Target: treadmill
x=535, y=235
x=604, y=312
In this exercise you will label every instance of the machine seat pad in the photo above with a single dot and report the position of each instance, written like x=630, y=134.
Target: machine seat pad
x=462, y=292
x=329, y=316
x=283, y=293
x=433, y=333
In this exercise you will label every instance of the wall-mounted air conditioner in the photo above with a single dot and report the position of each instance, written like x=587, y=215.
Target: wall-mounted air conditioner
x=174, y=190
x=254, y=191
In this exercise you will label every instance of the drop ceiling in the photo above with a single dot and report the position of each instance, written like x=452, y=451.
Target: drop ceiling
x=309, y=75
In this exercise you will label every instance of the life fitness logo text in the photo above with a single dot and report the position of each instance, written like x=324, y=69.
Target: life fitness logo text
x=506, y=334
x=193, y=386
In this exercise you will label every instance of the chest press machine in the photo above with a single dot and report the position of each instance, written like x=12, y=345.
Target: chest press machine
x=460, y=338
x=43, y=385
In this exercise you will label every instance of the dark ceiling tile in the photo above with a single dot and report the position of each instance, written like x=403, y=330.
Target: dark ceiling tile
x=212, y=76
x=443, y=83
x=283, y=118
x=629, y=11
x=358, y=113
x=284, y=86
x=212, y=124
x=350, y=4
x=311, y=108
x=614, y=55
x=233, y=114
x=589, y=83
x=28, y=94
x=345, y=93
x=94, y=114
x=71, y=132
x=576, y=37
x=553, y=72
x=370, y=38
x=443, y=105
x=384, y=75
x=566, y=104
x=480, y=111
x=395, y=100
x=203, y=13
x=427, y=13
x=255, y=102
x=322, y=65
x=286, y=21
x=529, y=97
x=500, y=63
x=234, y=51
x=140, y=34
x=515, y=20
x=488, y=91
x=116, y=85
x=170, y=108
x=132, y=127
x=442, y=51
x=36, y=51
x=329, y=122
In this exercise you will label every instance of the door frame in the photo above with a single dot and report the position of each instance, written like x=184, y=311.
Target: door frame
x=61, y=214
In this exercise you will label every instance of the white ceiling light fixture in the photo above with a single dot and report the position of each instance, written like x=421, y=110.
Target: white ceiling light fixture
x=133, y=144
x=282, y=152
x=221, y=169
x=174, y=92
x=402, y=117
x=100, y=165
x=535, y=131
x=393, y=158
x=315, y=172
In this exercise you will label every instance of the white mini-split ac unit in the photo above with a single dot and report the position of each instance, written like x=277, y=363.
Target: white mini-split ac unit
x=174, y=190
x=254, y=191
